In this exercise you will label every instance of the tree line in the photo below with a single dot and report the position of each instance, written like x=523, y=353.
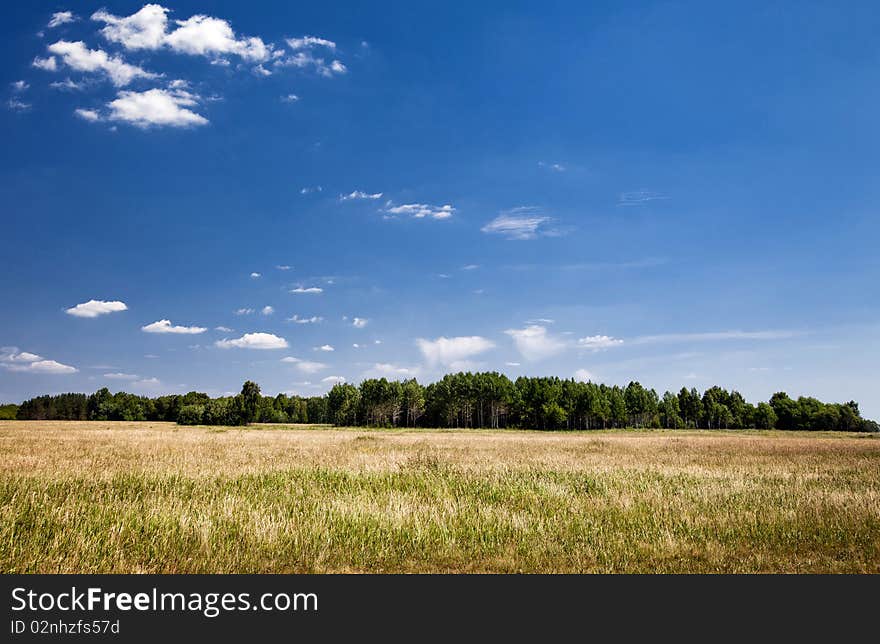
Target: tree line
x=465, y=400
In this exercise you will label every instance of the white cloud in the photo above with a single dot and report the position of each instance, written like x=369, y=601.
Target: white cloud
x=244, y=311
x=283, y=267
x=359, y=323
x=158, y=107
x=49, y=64
x=87, y=115
x=12, y=354
x=198, y=35
x=557, y=167
x=310, y=189
x=144, y=29
x=19, y=86
x=256, y=275
x=94, y=308
x=44, y=366
x=598, y=342
x=449, y=351
x=470, y=267
x=121, y=376
x=521, y=223
x=310, y=289
x=511, y=364
x=308, y=42
x=254, y=341
x=312, y=320
x=206, y=36
x=305, y=366
x=79, y=57
x=290, y=98
x=421, y=211
x=259, y=70
x=224, y=329
x=338, y=380
x=25, y=362
x=325, y=347
x=360, y=194
x=534, y=343
x=584, y=376
x=267, y=310
x=165, y=326
x=61, y=18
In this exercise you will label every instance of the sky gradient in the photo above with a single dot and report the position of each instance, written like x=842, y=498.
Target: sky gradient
x=669, y=192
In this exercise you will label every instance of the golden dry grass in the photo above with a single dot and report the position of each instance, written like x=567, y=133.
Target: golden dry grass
x=155, y=497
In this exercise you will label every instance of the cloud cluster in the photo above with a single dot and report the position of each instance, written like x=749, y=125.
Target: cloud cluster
x=150, y=30
x=198, y=35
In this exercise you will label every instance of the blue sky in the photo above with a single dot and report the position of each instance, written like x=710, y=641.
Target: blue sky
x=673, y=192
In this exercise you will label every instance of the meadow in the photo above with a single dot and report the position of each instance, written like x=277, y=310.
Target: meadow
x=100, y=497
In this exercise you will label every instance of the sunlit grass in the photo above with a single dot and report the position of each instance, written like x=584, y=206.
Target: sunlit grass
x=153, y=497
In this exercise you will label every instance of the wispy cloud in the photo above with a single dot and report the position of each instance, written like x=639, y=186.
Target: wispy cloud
x=315, y=319
x=639, y=198
x=61, y=18
x=452, y=352
x=121, y=376
x=556, y=167
x=663, y=338
x=305, y=366
x=312, y=290
x=535, y=343
x=527, y=222
x=360, y=195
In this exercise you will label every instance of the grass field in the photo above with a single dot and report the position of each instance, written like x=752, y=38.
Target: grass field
x=155, y=497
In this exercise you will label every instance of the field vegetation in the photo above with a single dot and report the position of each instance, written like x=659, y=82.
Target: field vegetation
x=101, y=497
